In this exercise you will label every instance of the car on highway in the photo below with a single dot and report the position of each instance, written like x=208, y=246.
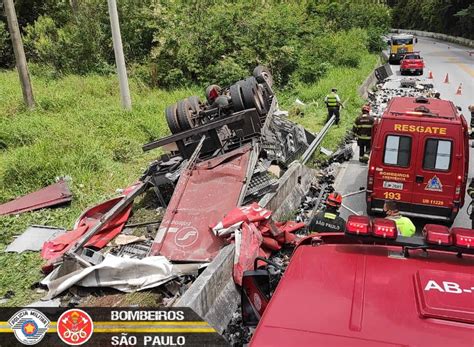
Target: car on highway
x=412, y=63
x=420, y=158
x=368, y=287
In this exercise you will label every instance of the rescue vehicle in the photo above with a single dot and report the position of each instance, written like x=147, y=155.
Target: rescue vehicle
x=400, y=44
x=368, y=287
x=420, y=158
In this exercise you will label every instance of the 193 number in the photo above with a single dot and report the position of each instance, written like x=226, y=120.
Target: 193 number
x=392, y=196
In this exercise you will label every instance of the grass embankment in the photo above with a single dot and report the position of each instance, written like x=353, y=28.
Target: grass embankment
x=79, y=130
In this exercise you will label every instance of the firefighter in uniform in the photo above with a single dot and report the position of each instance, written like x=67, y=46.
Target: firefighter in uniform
x=470, y=192
x=405, y=226
x=329, y=219
x=363, y=130
x=333, y=103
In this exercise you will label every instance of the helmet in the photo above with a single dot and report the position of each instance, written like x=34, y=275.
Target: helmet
x=334, y=199
x=365, y=109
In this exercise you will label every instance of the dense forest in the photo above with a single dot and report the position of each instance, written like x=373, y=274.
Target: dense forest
x=452, y=17
x=177, y=43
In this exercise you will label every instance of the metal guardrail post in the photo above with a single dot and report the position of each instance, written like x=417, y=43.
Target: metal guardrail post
x=317, y=141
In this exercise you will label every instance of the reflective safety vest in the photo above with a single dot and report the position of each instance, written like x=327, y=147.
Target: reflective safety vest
x=405, y=226
x=331, y=100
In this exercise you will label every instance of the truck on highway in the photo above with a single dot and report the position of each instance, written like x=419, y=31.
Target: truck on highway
x=400, y=44
x=412, y=63
x=368, y=287
x=420, y=158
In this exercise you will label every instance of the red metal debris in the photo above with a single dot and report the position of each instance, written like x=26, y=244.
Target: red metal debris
x=201, y=198
x=255, y=235
x=55, y=194
x=56, y=248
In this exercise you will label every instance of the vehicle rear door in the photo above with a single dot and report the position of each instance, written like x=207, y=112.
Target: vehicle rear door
x=438, y=160
x=394, y=175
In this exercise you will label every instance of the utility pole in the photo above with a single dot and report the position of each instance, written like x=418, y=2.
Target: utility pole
x=19, y=51
x=119, y=58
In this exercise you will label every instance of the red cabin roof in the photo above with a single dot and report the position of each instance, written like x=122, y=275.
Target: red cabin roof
x=364, y=295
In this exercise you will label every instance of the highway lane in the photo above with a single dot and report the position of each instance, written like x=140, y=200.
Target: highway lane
x=441, y=58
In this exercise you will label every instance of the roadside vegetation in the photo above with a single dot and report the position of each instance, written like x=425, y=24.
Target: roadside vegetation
x=78, y=129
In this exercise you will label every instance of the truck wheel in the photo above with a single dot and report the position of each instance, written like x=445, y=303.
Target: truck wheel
x=420, y=72
x=196, y=104
x=236, y=97
x=184, y=112
x=171, y=119
x=252, y=96
x=262, y=74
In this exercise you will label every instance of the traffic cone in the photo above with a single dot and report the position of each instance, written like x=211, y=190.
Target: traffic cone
x=446, y=79
x=430, y=76
x=459, y=91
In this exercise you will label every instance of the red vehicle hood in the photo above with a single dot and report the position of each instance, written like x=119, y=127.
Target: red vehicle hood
x=363, y=295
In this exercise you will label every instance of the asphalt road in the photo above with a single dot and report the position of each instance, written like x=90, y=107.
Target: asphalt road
x=441, y=58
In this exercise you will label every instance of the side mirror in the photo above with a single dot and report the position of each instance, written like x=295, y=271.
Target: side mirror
x=255, y=295
x=388, y=42
x=416, y=40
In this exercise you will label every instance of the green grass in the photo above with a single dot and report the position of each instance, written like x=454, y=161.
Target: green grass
x=79, y=130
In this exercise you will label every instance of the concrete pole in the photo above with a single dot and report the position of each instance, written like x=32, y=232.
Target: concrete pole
x=119, y=58
x=19, y=51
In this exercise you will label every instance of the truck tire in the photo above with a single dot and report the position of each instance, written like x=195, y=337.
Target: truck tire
x=172, y=119
x=249, y=93
x=196, y=104
x=236, y=97
x=184, y=112
x=262, y=74
x=420, y=72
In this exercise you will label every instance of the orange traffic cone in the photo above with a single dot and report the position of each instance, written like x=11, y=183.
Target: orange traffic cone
x=430, y=76
x=459, y=91
x=446, y=79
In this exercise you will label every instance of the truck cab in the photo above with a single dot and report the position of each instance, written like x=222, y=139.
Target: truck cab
x=420, y=158
x=400, y=45
x=370, y=287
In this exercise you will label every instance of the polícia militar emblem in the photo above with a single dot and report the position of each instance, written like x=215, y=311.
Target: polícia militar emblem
x=29, y=326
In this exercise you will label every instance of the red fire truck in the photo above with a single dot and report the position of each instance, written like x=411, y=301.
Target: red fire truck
x=368, y=287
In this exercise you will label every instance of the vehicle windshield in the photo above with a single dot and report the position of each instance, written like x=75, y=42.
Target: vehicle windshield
x=397, y=42
x=412, y=56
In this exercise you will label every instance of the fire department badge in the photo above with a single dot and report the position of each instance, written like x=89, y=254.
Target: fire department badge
x=434, y=185
x=29, y=326
x=75, y=327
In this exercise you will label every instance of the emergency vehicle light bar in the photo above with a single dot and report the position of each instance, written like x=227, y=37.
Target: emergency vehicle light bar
x=358, y=225
x=380, y=227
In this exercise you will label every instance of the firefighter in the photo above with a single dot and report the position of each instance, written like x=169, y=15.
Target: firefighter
x=329, y=219
x=363, y=130
x=470, y=192
x=405, y=226
x=333, y=103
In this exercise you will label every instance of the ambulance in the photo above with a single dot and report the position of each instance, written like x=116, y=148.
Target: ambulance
x=420, y=158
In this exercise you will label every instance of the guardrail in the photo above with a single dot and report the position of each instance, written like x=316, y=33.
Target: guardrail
x=317, y=141
x=459, y=40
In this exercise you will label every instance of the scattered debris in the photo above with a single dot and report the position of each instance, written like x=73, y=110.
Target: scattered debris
x=53, y=195
x=124, y=274
x=33, y=238
x=6, y=297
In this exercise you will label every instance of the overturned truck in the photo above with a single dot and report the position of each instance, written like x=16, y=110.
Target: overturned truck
x=222, y=153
